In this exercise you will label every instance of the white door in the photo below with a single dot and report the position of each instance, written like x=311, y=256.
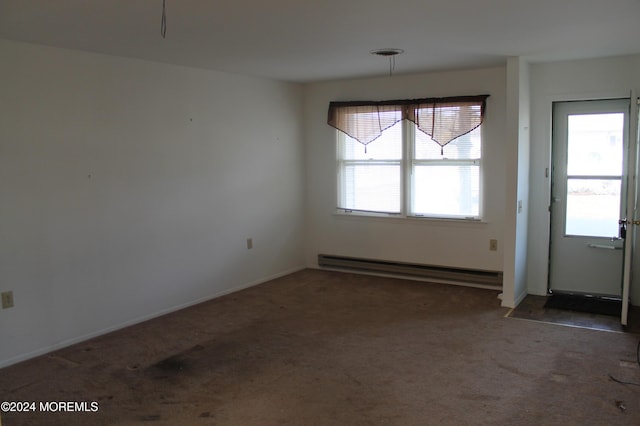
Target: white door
x=588, y=197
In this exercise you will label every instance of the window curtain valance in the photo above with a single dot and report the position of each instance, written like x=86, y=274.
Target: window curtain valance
x=443, y=119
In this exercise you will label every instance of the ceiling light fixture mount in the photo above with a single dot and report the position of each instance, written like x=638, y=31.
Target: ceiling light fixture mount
x=388, y=53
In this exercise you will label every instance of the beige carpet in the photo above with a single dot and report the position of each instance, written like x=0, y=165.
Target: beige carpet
x=328, y=348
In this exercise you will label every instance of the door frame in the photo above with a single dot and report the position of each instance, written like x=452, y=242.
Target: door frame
x=632, y=202
x=633, y=187
x=540, y=182
x=582, y=106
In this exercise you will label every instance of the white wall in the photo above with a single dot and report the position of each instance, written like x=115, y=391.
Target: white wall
x=517, y=163
x=561, y=81
x=128, y=189
x=411, y=240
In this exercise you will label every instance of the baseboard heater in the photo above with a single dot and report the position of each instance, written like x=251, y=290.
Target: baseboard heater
x=476, y=277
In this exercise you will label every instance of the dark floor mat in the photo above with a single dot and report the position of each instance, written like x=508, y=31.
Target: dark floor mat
x=592, y=305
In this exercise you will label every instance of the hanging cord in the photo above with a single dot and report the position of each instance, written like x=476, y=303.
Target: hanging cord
x=163, y=22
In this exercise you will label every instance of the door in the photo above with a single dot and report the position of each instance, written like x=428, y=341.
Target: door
x=588, y=194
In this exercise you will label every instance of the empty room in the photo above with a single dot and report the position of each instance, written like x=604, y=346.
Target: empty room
x=319, y=213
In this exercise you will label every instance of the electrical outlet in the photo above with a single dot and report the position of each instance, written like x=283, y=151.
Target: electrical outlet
x=493, y=245
x=7, y=299
x=249, y=243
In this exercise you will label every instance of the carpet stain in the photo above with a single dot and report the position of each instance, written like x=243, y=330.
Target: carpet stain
x=151, y=418
x=559, y=378
x=174, y=364
x=479, y=397
x=574, y=354
x=516, y=371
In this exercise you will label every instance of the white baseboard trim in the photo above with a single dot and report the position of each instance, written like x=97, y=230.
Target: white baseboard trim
x=520, y=298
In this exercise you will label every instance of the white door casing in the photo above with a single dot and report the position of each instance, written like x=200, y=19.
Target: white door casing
x=632, y=204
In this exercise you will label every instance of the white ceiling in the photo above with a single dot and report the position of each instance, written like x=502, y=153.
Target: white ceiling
x=306, y=40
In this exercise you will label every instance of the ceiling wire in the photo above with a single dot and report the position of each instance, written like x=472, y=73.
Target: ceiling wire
x=391, y=54
x=163, y=21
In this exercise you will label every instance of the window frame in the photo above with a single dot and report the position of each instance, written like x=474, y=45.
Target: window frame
x=407, y=165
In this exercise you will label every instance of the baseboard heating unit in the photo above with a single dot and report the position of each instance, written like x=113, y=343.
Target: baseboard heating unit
x=472, y=277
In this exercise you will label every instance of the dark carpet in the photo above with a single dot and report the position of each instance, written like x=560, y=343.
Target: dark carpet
x=327, y=348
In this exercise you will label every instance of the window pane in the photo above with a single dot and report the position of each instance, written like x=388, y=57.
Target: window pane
x=593, y=207
x=595, y=144
x=447, y=190
x=387, y=147
x=372, y=188
x=465, y=147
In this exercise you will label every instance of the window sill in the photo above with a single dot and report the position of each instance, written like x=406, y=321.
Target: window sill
x=390, y=218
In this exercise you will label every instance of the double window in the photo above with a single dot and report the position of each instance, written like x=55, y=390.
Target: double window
x=419, y=158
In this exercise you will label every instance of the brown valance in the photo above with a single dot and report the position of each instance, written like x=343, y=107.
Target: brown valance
x=443, y=119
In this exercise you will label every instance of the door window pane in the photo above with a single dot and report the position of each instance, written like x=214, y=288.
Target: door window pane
x=595, y=144
x=593, y=207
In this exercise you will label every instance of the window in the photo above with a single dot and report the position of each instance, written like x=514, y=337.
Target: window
x=418, y=158
x=370, y=179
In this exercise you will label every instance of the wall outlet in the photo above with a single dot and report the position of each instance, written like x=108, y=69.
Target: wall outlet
x=249, y=243
x=493, y=245
x=7, y=299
